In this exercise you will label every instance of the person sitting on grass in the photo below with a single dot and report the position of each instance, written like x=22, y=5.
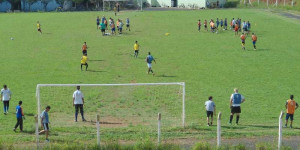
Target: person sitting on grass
x=210, y=110
x=45, y=122
x=84, y=60
x=20, y=117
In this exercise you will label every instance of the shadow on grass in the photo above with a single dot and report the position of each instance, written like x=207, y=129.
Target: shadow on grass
x=166, y=76
x=29, y=131
x=104, y=122
x=233, y=127
x=262, y=126
x=29, y=114
x=96, y=60
x=95, y=71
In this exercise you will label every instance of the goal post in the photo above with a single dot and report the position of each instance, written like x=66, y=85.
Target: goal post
x=181, y=91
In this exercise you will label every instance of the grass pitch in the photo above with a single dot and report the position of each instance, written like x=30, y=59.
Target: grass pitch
x=210, y=64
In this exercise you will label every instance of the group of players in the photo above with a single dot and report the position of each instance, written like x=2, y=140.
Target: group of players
x=236, y=99
x=103, y=25
x=235, y=24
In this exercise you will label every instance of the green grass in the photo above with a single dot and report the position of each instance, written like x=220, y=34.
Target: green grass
x=209, y=64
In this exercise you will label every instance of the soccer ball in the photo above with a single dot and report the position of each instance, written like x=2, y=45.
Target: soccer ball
x=11, y=38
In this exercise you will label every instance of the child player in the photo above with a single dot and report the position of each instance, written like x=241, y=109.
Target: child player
x=205, y=25
x=236, y=29
x=128, y=24
x=243, y=38
x=210, y=109
x=199, y=25
x=39, y=27
x=254, y=39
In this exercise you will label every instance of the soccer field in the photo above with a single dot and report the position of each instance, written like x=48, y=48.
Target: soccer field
x=210, y=65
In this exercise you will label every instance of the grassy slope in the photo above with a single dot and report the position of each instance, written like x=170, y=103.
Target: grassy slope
x=210, y=64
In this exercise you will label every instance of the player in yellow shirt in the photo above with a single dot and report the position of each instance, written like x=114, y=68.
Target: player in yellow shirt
x=290, y=106
x=83, y=61
x=136, y=48
x=39, y=27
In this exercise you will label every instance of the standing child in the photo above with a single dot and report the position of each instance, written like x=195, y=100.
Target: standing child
x=98, y=22
x=113, y=28
x=290, y=106
x=218, y=23
x=84, y=48
x=127, y=24
x=105, y=22
x=115, y=10
x=254, y=39
x=45, y=122
x=210, y=110
x=243, y=38
x=83, y=61
x=199, y=25
x=205, y=25
x=120, y=27
x=136, y=48
x=20, y=116
x=5, y=97
x=103, y=28
x=221, y=23
x=118, y=24
x=225, y=24
x=236, y=29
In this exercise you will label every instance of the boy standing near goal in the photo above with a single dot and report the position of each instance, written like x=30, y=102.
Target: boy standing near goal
x=210, y=109
x=5, y=97
x=20, y=116
x=45, y=122
x=149, y=60
x=290, y=106
x=78, y=102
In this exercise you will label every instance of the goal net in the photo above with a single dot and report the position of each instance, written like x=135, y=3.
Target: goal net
x=127, y=111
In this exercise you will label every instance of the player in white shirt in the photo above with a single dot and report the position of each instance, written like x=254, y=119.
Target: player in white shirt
x=5, y=97
x=78, y=102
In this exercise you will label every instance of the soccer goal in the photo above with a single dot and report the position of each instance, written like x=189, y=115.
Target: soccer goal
x=124, y=109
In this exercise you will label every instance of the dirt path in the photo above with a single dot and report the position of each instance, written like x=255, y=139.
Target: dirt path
x=289, y=15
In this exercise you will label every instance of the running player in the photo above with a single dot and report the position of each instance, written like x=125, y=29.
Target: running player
x=199, y=25
x=243, y=38
x=84, y=48
x=205, y=25
x=210, y=110
x=254, y=39
x=128, y=24
x=236, y=100
x=39, y=27
x=290, y=106
x=149, y=60
x=136, y=48
x=83, y=61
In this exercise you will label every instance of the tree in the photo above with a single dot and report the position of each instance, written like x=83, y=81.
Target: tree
x=77, y=2
x=45, y=2
x=30, y=2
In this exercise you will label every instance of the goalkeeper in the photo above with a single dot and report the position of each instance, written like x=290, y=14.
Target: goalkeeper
x=20, y=116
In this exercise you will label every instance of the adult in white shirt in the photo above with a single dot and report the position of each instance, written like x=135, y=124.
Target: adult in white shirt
x=5, y=97
x=78, y=102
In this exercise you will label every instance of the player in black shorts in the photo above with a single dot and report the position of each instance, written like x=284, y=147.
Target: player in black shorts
x=236, y=100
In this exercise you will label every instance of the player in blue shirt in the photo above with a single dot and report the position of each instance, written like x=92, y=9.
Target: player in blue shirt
x=45, y=122
x=236, y=100
x=98, y=22
x=217, y=22
x=149, y=60
x=127, y=24
x=20, y=116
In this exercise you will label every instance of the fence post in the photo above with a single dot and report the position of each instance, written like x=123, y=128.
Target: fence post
x=219, y=130
x=258, y=2
x=292, y=3
x=37, y=131
x=98, y=130
x=284, y=3
x=267, y=3
x=158, y=130
x=276, y=3
x=280, y=130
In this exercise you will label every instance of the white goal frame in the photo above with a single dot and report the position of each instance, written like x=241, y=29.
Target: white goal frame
x=91, y=85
